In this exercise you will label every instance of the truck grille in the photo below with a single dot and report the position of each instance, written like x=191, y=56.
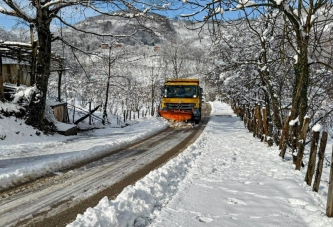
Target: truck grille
x=180, y=106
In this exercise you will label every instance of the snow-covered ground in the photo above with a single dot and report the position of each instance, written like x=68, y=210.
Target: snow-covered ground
x=226, y=178
x=25, y=155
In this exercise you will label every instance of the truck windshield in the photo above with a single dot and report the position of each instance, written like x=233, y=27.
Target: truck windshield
x=180, y=91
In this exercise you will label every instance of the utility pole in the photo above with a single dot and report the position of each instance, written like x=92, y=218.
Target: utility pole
x=152, y=91
x=107, y=88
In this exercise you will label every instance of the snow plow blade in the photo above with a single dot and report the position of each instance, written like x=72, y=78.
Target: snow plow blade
x=176, y=115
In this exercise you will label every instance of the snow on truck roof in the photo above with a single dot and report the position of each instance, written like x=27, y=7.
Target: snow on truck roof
x=182, y=81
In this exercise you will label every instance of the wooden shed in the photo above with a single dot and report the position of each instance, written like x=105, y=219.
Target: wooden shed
x=60, y=112
x=16, y=73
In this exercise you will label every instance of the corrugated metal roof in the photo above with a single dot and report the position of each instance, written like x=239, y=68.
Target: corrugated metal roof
x=11, y=50
x=9, y=61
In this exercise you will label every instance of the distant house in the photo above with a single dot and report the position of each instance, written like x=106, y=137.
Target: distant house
x=117, y=45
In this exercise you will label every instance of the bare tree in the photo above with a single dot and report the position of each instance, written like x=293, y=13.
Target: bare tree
x=175, y=55
x=305, y=32
x=40, y=14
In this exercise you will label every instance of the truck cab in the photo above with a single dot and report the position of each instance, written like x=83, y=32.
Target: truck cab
x=181, y=100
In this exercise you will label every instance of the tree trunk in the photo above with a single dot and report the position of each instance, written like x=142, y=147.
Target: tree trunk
x=312, y=159
x=284, y=138
x=59, y=85
x=152, y=99
x=33, y=64
x=301, y=141
x=265, y=124
x=300, y=99
x=37, y=104
x=259, y=123
x=329, y=206
x=293, y=132
x=2, y=96
x=277, y=121
x=19, y=77
x=321, y=157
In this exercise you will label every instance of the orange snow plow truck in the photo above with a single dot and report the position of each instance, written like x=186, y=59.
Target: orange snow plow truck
x=181, y=100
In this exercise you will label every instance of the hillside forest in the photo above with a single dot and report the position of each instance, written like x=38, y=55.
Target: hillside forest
x=273, y=54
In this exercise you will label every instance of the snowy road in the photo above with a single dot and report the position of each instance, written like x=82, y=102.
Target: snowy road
x=52, y=195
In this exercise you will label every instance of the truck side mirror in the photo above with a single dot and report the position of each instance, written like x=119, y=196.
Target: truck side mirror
x=162, y=91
